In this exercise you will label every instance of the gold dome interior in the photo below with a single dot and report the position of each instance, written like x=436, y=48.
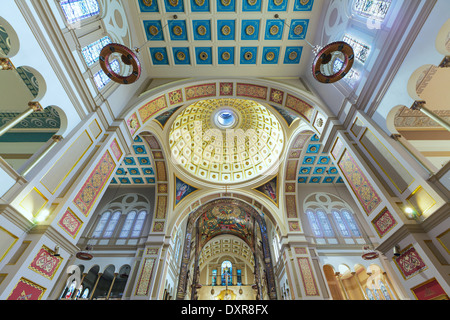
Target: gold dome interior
x=201, y=146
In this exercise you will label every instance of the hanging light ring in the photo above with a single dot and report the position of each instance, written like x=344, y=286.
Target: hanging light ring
x=127, y=56
x=328, y=55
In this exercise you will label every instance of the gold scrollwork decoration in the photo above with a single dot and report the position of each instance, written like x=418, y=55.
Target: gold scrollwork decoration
x=153, y=30
x=274, y=30
x=181, y=56
x=226, y=55
x=293, y=55
x=270, y=56
x=201, y=30
x=298, y=30
x=226, y=30
x=147, y=3
x=249, y=30
x=177, y=30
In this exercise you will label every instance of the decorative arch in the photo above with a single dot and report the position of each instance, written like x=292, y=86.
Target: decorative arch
x=9, y=40
x=193, y=223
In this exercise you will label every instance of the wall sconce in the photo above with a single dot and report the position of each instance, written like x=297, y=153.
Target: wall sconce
x=56, y=252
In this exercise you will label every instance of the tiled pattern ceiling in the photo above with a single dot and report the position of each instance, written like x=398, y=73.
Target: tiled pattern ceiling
x=317, y=167
x=226, y=33
x=136, y=168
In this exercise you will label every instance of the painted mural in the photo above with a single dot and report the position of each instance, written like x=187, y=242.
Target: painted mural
x=226, y=218
x=289, y=117
x=182, y=190
x=270, y=190
x=165, y=116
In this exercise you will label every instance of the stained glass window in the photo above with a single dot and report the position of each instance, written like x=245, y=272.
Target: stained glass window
x=227, y=269
x=325, y=223
x=361, y=50
x=376, y=9
x=384, y=290
x=214, y=277
x=101, y=79
x=314, y=223
x=77, y=10
x=85, y=294
x=138, y=224
x=127, y=225
x=111, y=225
x=351, y=222
x=101, y=225
x=239, y=277
x=340, y=223
x=91, y=52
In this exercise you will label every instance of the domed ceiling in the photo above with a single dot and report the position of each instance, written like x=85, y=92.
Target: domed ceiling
x=226, y=140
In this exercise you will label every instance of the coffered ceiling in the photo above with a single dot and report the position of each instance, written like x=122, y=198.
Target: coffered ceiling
x=230, y=37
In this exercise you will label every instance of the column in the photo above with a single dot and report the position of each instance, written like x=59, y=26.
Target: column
x=99, y=275
x=55, y=205
x=359, y=284
x=111, y=286
x=420, y=105
x=32, y=107
x=338, y=276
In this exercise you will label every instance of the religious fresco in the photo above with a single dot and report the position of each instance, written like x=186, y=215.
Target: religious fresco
x=289, y=117
x=270, y=190
x=226, y=218
x=182, y=190
x=165, y=116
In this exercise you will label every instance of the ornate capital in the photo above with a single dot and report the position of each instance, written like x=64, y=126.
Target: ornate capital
x=57, y=138
x=418, y=105
x=6, y=64
x=396, y=136
x=36, y=106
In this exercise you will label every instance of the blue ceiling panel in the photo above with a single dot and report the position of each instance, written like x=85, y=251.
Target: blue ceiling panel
x=328, y=179
x=226, y=29
x=298, y=29
x=200, y=6
x=181, y=56
x=248, y=55
x=174, y=5
x=250, y=30
x=225, y=55
x=177, y=30
x=293, y=55
x=153, y=30
x=270, y=55
x=203, y=55
x=148, y=6
x=277, y=5
x=303, y=5
x=226, y=5
x=159, y=56
x=274, y=29
x=201, y=29
x=315, y=179
x=251, y=5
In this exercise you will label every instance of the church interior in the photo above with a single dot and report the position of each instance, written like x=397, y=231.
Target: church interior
x=225, y=150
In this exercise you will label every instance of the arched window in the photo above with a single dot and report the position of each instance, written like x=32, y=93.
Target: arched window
x=361, y=49
x=139, y=224
x=91, y=52
x=319, y=223
x=314, y=223
x=227, y=272
x=239, y=277
x=276, y=246
x=111, y=225
x=214, y=277
x=101, y=79
x=101, y=225
x=127, y=225
x=374, y=9
x=71, y=290
x=341, y=224
x=77, y=10
x=325, y=223
x=384, y=290
x=351, y=222
x=85, y=294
